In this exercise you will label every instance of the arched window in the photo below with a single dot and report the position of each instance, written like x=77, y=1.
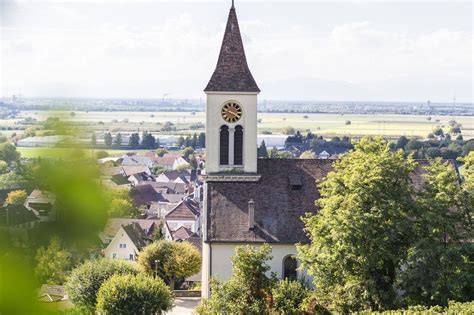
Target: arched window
x=238, y=145
x=289, y=268
x=224, y=146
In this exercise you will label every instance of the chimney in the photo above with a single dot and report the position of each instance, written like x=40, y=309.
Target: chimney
x=251, y=206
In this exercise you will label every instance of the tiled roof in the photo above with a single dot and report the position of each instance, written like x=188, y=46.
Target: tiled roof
x=286, y=191
x=145, y=194
x=182, y=233
x=135, y=169
x=114, y=224
x=136, y=235
x=12, y=215
x=185, y=210
x=232, y=73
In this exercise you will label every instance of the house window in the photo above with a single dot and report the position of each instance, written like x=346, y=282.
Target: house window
x=289, y=268
x=130, y=257
x=114, y=255
x=238, y=145
x=122, y=245
x=224, y=146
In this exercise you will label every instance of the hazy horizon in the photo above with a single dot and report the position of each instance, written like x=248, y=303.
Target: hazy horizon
x=297, y=51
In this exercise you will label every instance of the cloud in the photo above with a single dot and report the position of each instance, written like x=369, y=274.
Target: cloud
x=176, y=53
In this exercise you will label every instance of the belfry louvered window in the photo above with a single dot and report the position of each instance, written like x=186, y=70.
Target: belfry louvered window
x=238, y=145
x=224, y=146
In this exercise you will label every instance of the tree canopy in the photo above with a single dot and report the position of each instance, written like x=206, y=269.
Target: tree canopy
x=360, y=234
x=171, y=261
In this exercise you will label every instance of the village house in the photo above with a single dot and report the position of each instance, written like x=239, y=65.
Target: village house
x=42, y=204
x=185, y=218
x=127, y=243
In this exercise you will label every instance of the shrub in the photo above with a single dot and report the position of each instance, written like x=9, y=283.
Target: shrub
x=101, y=154
x=84, y=282
x=131, y=294
x=288, y=296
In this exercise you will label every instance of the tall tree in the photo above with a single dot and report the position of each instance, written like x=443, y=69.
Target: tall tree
x=262, y=150
x=118, y=140
x=108, y=139
x=361, y=232
x=134, y=141
x=440, y=265
x=202, y=140
x=8, y=152
x=53, y=263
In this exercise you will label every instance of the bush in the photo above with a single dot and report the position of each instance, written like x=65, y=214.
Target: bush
x=452, y=308
x=101, y=154
x=288, y=296
x=84, y=282
x=131, y=294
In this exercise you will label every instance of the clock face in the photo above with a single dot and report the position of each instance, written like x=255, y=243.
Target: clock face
x=231, y=112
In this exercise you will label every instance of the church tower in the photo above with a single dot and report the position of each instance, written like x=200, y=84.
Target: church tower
x=231, y=108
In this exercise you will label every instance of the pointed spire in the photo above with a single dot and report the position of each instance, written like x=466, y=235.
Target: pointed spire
x=232, y=73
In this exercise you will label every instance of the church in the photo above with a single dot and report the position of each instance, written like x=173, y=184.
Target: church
x=248, y=200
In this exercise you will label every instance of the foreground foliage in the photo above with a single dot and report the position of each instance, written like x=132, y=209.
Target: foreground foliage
x=130, y=294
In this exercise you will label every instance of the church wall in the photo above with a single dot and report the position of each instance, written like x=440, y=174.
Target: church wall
x=218, y=258
x=214, y=121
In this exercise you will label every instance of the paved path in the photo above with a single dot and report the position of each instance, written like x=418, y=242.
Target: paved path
x=184, y=305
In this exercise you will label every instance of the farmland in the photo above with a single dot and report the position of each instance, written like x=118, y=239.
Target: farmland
x=390, y=125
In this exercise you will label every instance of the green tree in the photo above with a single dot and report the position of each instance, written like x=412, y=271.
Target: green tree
x=53, y=263
x=402, y=142
x=130, y=294
x=134, y=141
x=118, y=140
x=161, y=152
x=438, y=132
x=148, y=140
x=187, y=151
x=361, y=232
x=171, y=261
x=180, y=142
x=440, y=265
x=262, y=150
x=108, y=139
x=16, y=197
x=8, y=152
x=202, y=140
x=249, y=287
x=3, y=167
x=84, y=282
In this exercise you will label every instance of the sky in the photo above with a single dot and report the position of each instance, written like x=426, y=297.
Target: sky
x=309, y=50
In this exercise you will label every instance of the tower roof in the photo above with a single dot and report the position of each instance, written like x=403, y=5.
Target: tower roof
x=232, y=74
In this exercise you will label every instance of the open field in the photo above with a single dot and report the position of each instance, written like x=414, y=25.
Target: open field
x=66, y=152
x=389, y=125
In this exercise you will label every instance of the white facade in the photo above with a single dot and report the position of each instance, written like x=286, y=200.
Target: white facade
x=121, y=247
x=217, y=263
x=214, y=121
